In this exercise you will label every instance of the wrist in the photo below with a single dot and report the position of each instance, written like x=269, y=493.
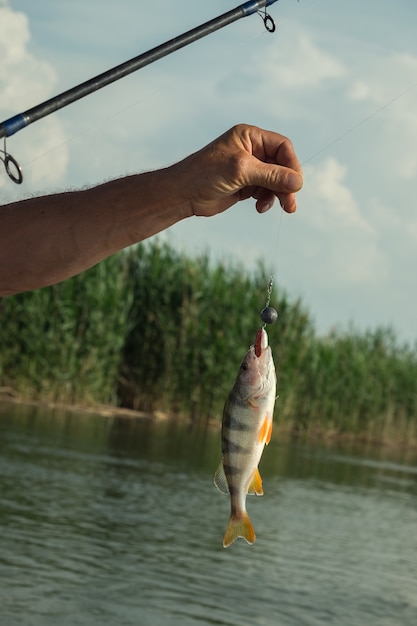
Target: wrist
x=142, y=205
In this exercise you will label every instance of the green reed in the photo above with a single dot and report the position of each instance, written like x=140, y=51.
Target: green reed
x=63, y=343
x=153, y=329
x=360, y=383
x=190, y=324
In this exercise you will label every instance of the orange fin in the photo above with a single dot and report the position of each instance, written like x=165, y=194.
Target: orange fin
x=239, y=527
x=255, y=485
x=265, y=431
x=269, y=433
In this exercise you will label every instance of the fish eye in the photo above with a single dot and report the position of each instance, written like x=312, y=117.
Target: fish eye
x=244, y=366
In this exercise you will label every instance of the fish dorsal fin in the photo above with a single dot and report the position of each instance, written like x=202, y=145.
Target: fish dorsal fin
x=220, y=480
x=255, y=485
x=265, y=432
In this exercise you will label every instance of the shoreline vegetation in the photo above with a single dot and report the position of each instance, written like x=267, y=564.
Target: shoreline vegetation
x=151, y=331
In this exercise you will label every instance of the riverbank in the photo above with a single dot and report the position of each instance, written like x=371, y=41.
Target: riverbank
x=154, y=331
x=315, y=434
x=8, y=396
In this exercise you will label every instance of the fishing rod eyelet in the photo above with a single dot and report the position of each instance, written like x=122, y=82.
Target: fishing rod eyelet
x=13, y=169
x=269, y=23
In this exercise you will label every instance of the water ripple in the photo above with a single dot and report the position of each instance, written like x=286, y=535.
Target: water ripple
x=94, y=533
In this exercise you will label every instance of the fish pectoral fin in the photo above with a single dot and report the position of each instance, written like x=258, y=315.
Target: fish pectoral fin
x=269, y=433
x=239, y=526
x=255, y=485
x=220, y=480
x=265, y=431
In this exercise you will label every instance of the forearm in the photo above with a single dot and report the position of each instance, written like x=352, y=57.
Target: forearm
x=48, y=239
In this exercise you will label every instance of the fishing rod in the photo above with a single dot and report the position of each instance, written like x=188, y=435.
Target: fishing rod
x=17, y=122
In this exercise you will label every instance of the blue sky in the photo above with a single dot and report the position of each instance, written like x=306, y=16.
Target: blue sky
x=339, y=78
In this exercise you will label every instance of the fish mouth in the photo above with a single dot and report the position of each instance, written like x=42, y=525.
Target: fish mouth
x=261, y=342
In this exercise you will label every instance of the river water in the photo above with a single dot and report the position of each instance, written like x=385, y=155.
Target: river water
x=117, y=522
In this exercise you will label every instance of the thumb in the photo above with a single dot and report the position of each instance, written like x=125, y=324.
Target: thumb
x=276, y=178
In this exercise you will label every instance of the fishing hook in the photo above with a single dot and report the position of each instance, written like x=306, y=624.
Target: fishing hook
x=12, y=167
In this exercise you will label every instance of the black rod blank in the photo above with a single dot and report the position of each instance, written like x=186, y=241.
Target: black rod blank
x=17, y=122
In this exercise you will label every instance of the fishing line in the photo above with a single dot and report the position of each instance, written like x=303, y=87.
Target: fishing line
x=360, y=123
x=11, y=126
x=271, y=278
x=17, y=122
x=92, y=128
x=350, y=130
x=14, y=170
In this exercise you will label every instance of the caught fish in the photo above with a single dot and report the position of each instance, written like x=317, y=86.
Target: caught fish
x=246, y=428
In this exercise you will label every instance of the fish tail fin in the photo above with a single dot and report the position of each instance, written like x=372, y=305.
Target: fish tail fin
x=239, y=526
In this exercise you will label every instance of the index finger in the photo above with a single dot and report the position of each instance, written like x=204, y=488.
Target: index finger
x=274, y=148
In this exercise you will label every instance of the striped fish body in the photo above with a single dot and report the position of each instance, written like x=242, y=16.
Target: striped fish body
x=246, y=428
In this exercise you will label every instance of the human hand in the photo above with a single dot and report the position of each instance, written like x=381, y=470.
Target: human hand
x=244, y=162
x=50, y=238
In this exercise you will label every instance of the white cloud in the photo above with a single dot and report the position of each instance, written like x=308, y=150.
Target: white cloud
x=301, y=64
x=348, y=242
x=24, y=82
x=285, y=78
x=401, y=69
x=388, y=88
x=351, y=245
x=328, y=187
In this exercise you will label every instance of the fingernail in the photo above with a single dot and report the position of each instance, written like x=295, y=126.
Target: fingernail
x=294, y=182
x=266, y=206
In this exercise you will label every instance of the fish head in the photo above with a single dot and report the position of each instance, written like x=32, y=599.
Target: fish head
x=257, y=371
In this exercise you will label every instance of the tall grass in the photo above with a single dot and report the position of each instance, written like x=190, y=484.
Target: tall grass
x=153, y=329
x=361, y=383
x=190, y=324
x=64, y=342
